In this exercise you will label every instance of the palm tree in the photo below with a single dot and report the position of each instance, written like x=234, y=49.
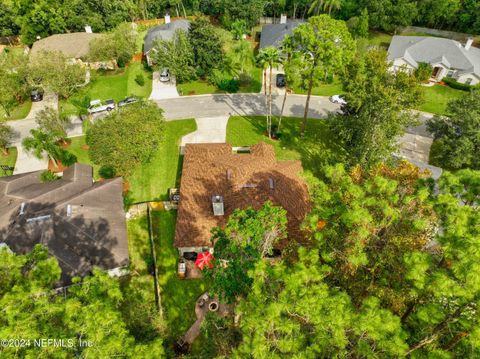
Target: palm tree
x=331, y=4
x=315, y=7
x=42, y=142
x=243, y=53
x=287, y=69
x=269, y=57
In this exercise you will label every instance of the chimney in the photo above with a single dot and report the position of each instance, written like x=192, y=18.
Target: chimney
x=167, y=19
x=469, y=43
x=283, y=19
x=217, y=204
x=88, y=29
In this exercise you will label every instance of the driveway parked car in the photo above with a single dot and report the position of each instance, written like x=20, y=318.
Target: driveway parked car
x=128, y=101
x=99, y=106
x=165, y=75
x=338, y=99
x=281, y=80
x=36, y=95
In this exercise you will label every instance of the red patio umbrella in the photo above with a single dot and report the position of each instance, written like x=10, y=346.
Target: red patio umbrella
x=204, y=259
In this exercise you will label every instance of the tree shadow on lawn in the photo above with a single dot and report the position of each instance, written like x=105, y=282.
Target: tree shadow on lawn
x=316, y=149
x=178, y=296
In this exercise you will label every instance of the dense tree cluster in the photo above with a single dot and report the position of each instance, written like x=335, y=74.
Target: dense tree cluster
x=32, y=310
x=126, y=138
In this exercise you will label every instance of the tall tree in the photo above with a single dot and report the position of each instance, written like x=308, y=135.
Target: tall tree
x=40, y=143
x=51, y=70
x=177, y=55
x=366, y=223
x=292, y=312
x=125, y=139
x=243, y=54
x=377, y=110
x=6, y=135
x=249, y=235
x=457, y=135
x=207, y=46
x=50, y=121
x=326, y=47
x=13, y=80
x=269, y=57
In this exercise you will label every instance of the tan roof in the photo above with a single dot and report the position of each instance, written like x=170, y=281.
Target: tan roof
x=243, y=180
x=73, y=45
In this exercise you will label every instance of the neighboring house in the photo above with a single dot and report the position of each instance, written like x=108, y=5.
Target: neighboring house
x=162, y=32
x=75, y=45
x=216, y=180
x=273, y=34
x=448, y=58
x=82, y=223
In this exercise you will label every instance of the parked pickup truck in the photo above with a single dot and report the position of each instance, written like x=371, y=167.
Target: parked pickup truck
x=99, y=106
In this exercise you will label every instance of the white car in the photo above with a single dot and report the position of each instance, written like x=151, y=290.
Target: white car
x=165, y=76
x=99, y=106
x=338, y=99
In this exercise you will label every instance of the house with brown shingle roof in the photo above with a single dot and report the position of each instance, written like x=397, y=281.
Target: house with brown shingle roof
x=75, y=45
x=216, y=180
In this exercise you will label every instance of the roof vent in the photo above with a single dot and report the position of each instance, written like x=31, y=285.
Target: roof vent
x=22, y=209
x=217, y=204
x=69, y=210
x=271, y=183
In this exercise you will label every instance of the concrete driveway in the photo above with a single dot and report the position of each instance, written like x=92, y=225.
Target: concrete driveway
x=209, y=130
x=163, y=90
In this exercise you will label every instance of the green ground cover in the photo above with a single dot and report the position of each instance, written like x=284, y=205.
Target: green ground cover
x=79, y=148
x=19, y=112
x=152, y=180
x=112, y=85
x=436, y=98
x=315, y=149
x=8, y=160
x=334, y=88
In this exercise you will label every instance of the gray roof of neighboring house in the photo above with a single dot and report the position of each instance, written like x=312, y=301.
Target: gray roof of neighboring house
x=273, y=34
x=416, y=49
x=73, y=45
x=163, y=32
x=82, y=223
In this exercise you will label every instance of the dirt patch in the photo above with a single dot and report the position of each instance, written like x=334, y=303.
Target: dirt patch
x=126, y=186
x=85, y=147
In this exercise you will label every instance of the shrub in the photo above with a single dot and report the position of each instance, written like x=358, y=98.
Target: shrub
x=457, y=85
x=67, y=158
x=423, y=72
x=140, y=80
x=228, y=85
x=123, y=59
x=107, y=172
x=47, y=176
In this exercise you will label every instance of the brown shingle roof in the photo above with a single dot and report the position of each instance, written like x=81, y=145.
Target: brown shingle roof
x=243, y=180
x=73, y=45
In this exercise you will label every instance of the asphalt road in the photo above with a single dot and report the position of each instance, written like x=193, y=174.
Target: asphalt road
x=242, y=104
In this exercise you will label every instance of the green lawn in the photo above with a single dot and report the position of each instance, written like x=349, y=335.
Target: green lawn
x=197, y=87
x=8, y=160
x=335, y=88
x=113, y=85
x=80, y=149
x=436, y=98
x=380, y=39
x=316, y=149
x=19, y=112
x=178, y=296
x=152, y=180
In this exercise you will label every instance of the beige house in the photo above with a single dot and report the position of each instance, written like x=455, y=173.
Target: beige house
x=448, y=58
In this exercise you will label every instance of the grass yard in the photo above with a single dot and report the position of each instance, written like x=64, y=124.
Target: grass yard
x=335, y=88
x=381, y=39
x=8, y=160
x=316, y=149
x=436, y=98
x=113, y=85
x=19, y=112
x=152, y=180
x=79, y=148
x=178, y=296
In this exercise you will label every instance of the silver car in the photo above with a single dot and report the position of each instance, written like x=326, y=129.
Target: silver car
x=99, y=106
